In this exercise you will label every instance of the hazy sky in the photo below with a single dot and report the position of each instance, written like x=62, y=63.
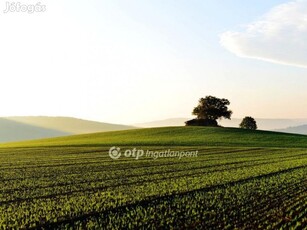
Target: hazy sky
x=136, y=61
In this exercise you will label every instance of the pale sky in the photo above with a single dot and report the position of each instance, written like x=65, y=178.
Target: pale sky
x=136, y=61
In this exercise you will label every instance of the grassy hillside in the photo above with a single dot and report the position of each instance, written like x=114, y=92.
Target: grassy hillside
x=263, y=124
x=82, y=187
x=176, y=136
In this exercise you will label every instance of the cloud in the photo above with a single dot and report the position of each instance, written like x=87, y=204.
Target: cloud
x=280, y=36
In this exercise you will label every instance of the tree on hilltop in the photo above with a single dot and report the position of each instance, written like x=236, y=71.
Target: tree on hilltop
x=208, y=110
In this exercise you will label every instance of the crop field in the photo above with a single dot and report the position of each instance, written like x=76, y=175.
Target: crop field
x=224, y=187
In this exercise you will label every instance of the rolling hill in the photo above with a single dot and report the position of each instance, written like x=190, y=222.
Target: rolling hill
x=15, y=131
x=28, y=128
x=74, y=182
x=263, y=124
x=175, y=136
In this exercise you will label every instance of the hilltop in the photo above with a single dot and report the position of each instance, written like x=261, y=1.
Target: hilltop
x=263, y=124
x=175, y=136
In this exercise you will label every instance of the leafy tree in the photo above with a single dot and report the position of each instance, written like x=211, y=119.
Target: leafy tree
x=212, y=108
x=248, y=123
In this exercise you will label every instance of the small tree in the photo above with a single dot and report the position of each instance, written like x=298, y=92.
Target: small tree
x=248, y=123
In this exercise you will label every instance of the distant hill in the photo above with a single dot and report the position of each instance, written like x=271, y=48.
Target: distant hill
x=302, y=129
x=28, y=128
x=16, y=131
x=263, y=124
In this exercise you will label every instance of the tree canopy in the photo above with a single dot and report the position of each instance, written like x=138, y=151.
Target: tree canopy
x=248, y=123
x=212, y=108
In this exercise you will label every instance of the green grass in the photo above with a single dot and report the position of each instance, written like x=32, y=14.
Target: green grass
x=175, y=136
x=239, y=180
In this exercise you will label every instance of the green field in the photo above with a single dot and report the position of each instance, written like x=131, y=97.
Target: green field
x=175, y=136
x=239, y=179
